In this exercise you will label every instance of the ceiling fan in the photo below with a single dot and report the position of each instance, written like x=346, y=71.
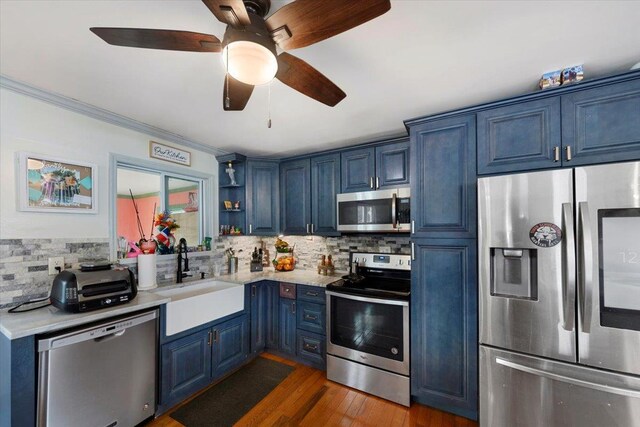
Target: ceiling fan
x=250, y=44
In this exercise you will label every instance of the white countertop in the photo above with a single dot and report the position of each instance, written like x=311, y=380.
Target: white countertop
x=49, y=319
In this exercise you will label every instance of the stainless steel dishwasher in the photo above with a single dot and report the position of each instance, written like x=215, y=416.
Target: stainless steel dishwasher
x=100, y=376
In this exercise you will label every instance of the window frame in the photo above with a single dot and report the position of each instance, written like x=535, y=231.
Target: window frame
x=207, y=187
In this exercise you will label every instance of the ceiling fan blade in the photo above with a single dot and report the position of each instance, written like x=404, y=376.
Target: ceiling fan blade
x=159, y=39
x=230, y=12
x=238, y=93
x=299, y=75
x=305, y=22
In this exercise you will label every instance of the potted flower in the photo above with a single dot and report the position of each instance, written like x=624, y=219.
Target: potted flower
x=165, y=225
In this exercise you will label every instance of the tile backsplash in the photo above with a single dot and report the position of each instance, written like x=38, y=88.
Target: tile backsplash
x=24, y=275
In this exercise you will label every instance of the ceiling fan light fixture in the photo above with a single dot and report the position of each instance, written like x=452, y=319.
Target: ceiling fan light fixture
x=250, y=62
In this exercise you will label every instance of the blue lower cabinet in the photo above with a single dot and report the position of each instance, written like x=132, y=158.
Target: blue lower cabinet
x=444, y=325
x=311, y=317
x=185, y=367
x=287, y=326
x=230, y=345
x=272, y=311
x=258, y=304
x=311, y=349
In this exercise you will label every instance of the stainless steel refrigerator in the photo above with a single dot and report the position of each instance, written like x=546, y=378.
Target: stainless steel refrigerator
x=559, y=269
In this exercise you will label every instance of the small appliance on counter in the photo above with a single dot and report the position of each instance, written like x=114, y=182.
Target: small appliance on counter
x=87, y=289
x=256, y=260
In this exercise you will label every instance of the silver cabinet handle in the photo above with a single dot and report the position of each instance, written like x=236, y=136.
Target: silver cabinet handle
x=310, y=347
x=568, y=148
x=253, y=290
x=575, y=381
x=210, y=338
x=413, y=227
x=216, y=335
x=585, y=265
x=569, y=268
x=311, y=228
x=250, y=229
x=377, y=182
x=413, y=252
x=310, y=317
x=371, y=182
x=311, y=294
x=307, y=228
x=556, y=154
x=293, y=308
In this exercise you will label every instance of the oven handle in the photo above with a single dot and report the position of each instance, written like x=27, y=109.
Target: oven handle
x=394, y=213
x=365, y=299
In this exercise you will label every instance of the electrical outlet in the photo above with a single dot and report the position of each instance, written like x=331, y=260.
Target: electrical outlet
x=54, y=262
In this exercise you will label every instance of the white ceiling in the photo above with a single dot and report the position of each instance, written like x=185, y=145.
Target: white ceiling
x=420, y=58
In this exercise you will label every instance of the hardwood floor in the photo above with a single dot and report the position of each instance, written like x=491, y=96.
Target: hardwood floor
x=307, y=399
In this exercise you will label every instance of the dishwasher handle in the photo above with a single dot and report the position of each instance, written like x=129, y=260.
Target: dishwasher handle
x=106, y=331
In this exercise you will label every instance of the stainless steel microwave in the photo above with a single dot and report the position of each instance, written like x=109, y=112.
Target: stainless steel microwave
x=374, y=211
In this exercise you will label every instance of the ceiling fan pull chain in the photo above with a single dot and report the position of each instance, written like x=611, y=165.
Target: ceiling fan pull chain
x=227, y=102
x=269, y=107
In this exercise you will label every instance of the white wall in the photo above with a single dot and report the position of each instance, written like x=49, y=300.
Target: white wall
x=27, y=124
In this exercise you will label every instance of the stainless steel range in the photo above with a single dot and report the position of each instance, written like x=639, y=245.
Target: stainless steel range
x=368, y=326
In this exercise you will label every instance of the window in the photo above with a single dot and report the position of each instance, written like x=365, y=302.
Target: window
x=140, y=188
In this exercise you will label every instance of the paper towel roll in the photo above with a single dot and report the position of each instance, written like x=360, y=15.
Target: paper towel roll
x=146, y=271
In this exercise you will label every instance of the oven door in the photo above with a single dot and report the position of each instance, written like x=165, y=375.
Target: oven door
x=371, y=331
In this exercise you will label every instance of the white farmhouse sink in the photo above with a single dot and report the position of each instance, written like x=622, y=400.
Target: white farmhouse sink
x=204, y=302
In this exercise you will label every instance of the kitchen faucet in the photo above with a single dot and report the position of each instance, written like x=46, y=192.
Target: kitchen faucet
x=182, y=249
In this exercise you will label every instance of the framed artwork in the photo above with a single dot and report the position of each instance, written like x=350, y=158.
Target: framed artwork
x=47, y=184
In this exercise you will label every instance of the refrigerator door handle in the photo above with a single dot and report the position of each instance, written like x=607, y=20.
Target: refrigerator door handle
x=569, y=268
x=569, y=380
x=585, y=265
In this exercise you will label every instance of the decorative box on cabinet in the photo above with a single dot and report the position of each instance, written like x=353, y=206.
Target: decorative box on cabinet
x=443, y=178
x=263, y=198
x=520, y=137
x=602, y=124
x=444, y=325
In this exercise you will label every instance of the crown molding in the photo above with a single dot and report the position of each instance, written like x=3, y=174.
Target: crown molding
x=103, y=115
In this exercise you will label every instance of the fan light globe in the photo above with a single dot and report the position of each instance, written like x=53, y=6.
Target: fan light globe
x=250, y=62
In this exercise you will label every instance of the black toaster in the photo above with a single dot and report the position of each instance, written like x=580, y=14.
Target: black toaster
x=77, y=291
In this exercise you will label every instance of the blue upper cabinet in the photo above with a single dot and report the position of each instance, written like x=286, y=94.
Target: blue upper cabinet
x=392, y=165
x=358, y=169
x=263, y=214
x=443, y=178
x=373, y=168
x=602, y=124
x=520, y=137
x=295, y=196
x=325, y=184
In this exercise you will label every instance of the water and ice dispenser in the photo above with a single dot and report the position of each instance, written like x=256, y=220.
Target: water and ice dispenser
x=514, y=273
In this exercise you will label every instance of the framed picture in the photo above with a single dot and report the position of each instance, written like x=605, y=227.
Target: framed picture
x=48, y=184
x=228, y=205
x=169, y=154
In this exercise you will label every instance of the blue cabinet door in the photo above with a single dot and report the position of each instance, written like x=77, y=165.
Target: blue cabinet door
x=444, y=324
x=358, y=169
x=287, y=326
x=258, y=301
x=602, y=124
x=263, y=198
x=230, y=345
x=443, y=178
x=519, y=137
x=311, y=349
x=295, y=197
x=185, y=367
x=392, y=165
x=325, y=185
x=273, y=315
